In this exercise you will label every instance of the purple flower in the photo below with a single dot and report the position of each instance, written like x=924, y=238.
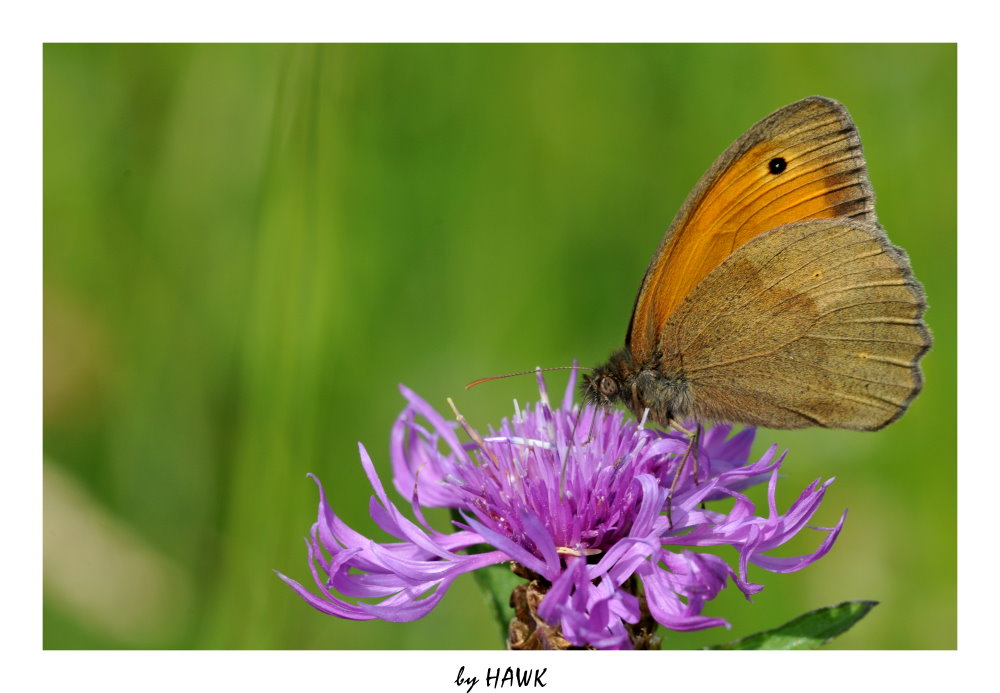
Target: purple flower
x=577, y=500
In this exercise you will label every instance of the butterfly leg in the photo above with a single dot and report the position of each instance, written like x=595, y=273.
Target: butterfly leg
x=696, y=443
x=676, y=425
x=693, y=440
x=694, y=436
x=697, y=455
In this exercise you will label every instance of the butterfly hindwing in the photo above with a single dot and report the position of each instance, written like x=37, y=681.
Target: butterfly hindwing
x=811, y=324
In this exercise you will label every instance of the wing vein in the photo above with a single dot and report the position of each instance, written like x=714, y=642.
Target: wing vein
x=743, y=202
x=748, y=299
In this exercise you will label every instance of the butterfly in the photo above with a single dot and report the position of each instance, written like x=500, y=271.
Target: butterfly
x=775, y=299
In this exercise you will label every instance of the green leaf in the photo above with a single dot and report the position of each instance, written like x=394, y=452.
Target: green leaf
x=496, y=582
x=806, y=632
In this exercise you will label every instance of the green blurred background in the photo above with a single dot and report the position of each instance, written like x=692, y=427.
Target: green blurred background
x=247, y=247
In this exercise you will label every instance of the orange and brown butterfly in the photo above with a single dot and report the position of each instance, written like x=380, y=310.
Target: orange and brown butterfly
x=775, y=298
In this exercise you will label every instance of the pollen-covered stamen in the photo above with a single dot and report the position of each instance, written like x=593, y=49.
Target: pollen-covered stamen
x=469, y=429
x=568, y=551
x=517, y=440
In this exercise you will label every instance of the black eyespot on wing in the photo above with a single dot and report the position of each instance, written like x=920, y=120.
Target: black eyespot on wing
x=777, y=165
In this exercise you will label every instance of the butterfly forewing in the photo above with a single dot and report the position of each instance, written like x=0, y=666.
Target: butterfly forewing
x=802, y=162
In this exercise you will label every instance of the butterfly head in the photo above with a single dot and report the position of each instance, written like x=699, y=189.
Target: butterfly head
x=611, y=381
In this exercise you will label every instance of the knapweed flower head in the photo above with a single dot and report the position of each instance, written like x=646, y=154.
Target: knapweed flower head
x=577, y=499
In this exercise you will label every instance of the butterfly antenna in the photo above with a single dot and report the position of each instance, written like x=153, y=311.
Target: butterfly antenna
x=534, y=370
